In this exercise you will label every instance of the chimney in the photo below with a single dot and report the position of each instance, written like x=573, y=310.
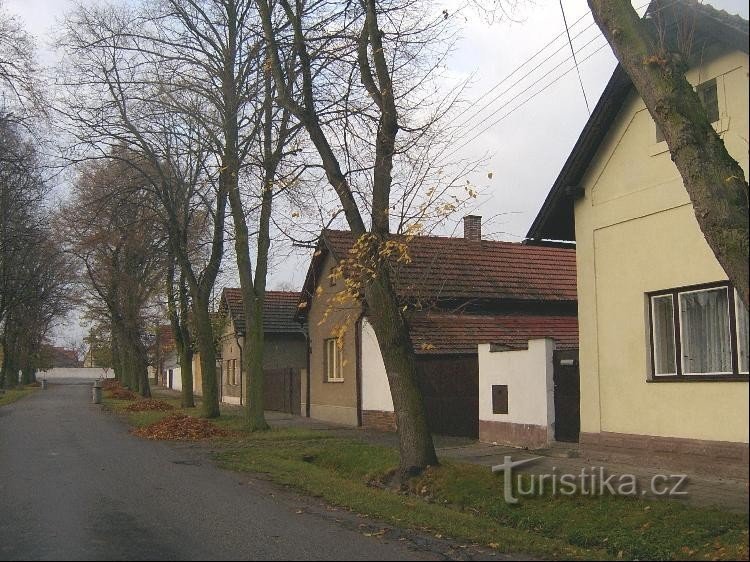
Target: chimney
x=473, y=228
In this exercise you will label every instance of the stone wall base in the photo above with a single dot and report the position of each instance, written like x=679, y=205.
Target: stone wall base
x=516, y=434
x=379, y=420
x=721, y=458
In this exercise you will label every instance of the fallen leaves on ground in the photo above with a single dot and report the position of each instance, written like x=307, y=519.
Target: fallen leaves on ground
x=150, y=406
x=123, y=394
x=181, y=427
x=111, y=384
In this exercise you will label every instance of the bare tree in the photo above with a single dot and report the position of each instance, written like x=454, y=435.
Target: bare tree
x=714, y=181
x=115, y=99
x=112, y=228
x=360, y=82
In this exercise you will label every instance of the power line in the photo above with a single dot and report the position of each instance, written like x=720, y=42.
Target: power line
x=570, y=42
x=528, y=99
x=514, y=71
x=484, y=129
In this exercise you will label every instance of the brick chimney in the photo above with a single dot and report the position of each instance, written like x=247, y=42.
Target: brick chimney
x=473, y=228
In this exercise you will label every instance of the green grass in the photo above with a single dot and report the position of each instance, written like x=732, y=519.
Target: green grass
x=13, y=394
x=465, y=502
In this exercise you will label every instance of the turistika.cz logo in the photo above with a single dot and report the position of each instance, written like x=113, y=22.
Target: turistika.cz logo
x=590, y=481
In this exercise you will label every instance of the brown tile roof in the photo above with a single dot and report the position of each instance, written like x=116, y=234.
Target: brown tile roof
x=279, y=308
x=456, y=268
x=436, y=333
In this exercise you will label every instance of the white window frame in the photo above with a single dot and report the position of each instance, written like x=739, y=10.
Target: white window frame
x=653, y=338
x=682, y=338
x=733, y=302
x=333, y=367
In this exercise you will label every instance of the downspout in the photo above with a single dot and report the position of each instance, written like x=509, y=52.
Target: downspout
x=307, y=375
x=239, y=346
x=358, y=355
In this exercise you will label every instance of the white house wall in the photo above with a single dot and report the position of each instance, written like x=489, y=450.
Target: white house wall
x=528, y=375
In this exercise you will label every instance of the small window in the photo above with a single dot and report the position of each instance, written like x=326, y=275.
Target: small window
x=709, y=97
x=708, y=94
x=698, y=331
x=499, y=398
x=332, y=361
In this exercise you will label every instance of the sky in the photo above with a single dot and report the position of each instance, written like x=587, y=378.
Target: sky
x=526, y=143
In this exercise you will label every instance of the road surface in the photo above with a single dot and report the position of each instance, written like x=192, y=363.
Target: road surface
x=75, y=485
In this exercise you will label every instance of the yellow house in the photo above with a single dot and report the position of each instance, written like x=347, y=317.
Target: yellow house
x=663, y=335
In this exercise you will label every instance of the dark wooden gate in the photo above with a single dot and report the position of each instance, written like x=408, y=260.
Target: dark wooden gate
x=567, y=395
x=282, y=390
x=450, y=389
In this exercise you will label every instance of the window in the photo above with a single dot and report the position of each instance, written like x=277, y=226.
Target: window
x=699, y=331
x=332, y=361
x=708, y=94
x=231, y=371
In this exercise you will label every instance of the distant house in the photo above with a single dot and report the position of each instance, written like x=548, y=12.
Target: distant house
x=62, y=357
x=284, y=355
x=663, y=334
x=164, y=359
x=461, y=292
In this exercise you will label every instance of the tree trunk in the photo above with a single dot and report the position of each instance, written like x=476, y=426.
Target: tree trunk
x=187, y=396
x=207, y=350
x=714, y=181
x=415, y=441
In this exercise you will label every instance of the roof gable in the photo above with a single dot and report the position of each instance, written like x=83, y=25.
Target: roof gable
x=279, y=308
x=555, y=220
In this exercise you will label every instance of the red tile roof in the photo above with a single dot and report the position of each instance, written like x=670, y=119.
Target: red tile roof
x=436, y=333
x=279, y=308
x=456, y=268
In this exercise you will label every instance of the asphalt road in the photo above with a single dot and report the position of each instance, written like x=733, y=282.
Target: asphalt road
x=74, y=485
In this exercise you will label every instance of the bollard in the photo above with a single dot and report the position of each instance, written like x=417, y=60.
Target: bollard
x=44, y=384
x=97, y=392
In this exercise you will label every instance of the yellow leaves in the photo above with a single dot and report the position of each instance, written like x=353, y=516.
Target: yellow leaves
x=302, y=305
x=426, y=346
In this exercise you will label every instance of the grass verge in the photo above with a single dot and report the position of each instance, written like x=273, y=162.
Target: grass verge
x=13, y=394
x=465, y=502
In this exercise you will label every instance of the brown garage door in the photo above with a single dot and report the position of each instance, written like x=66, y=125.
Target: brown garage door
x=450, y=388
x=282, y=390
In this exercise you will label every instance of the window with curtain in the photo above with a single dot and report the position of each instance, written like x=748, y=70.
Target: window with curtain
x=743, y=333
x=700, y=331
x=705, y=334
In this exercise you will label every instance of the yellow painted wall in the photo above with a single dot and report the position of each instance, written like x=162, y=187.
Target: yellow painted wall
x=636, y=233
x=332, y=401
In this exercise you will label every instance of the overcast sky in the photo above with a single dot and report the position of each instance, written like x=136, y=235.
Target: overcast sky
x=529, y=145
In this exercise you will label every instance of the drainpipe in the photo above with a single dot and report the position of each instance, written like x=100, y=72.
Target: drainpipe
x=358, y=360
x=237, y=339
x=308, y=352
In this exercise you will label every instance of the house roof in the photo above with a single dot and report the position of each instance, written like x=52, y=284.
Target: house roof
x=445, y=333
x=555, y=220
x=279, y=308
x=457, y=268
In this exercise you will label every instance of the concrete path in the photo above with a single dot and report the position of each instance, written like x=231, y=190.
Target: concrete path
x=76, y=486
